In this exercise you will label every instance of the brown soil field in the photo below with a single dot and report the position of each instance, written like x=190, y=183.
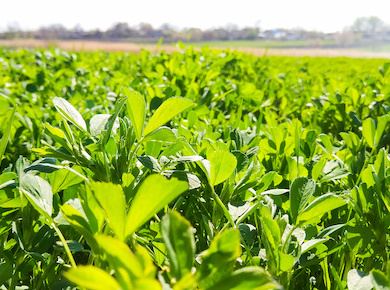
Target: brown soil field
x=77, y=45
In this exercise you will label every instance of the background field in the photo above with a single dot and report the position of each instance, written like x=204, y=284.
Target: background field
x=258, y=48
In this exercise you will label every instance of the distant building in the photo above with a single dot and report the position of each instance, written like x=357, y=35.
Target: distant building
x=278, y=34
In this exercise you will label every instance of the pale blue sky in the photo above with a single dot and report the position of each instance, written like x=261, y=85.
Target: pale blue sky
x=321, y=15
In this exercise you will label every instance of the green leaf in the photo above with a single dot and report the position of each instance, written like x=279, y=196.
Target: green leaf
x=98, y=123
x=338, y=173
x=318, y=167
x=6, y=134
x=237, y=209
x=275, y=191
x=69, y=113
x=164, y=134
x=80, y=224
x=301, y=190
x=286, y=262
x=367, y=176
x=5, y=271
x=73, y=246
x=136, y=110
x=112, y=200
x=6, y=179
x=311, y=244
x=380, y=164
x=329, y=230
x=150, y=163
x=113, y=121
x=269, y=228
x=154, y=193
x=218, y=261
x=319, y=207
x=63, y=178
x=39, y=193
x=126, y=265
x=227, y=243
x=247, y=278
x=267, y=179
x=380, y=128
x=48, y=152
x=328, y=147
x=180, y=243
x=147, y=284
x=169, y=109
x=75, y=204
x=92, y=209
x=357, y=280
x=369, y=132
x=57, y=135
x=222, y=166
x=379, y=280
x=92, y=277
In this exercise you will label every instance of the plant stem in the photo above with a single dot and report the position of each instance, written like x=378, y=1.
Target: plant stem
x=222, y=206
x=64, y=243
x=287, y=238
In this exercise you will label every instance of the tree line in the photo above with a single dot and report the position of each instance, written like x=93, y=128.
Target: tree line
x=363, y=27
x=145, y=32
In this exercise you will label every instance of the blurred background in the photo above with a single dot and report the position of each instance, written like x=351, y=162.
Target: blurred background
x=349, y=28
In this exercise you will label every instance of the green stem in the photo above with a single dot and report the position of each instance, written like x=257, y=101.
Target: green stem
x=366, y=162
x=52, y=264
x=222, y=206
x=134, y=152
x=107, y=168
x=65, y=244
x=287, y=238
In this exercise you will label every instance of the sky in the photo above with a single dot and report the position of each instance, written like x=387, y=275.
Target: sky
x=319, y=15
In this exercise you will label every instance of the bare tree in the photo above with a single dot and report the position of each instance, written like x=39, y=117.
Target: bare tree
x=345, y=38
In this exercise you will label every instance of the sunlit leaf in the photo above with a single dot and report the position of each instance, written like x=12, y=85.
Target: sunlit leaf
x=98, y=123
x=136, y=110
x=92, y=277
x=69, y=113
x=180, y=243
x=369, y=132
x=357, y=280
x=379, y=280
x=300, y=192
x=222, y=166
x=39, y=193
x=112, y=200
x=169, y=109
x=6, y=135
x=154, y=193
x=319, y=207
x=247, y=278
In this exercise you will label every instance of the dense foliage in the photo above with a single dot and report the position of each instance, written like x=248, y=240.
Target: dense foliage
x=266, y=173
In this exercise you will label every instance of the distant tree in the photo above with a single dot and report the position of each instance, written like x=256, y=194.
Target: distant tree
x=77, y=32
x=221, y=34
x=94, y=34
x=13, y=31
x=216, y=34
x=121, y=30
x=370, y=24
x=146, y=29
x=250, y=33
x=54, y=31
x=194, y=34
x=345, y=38
x=232, y=30
x=166, y=27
